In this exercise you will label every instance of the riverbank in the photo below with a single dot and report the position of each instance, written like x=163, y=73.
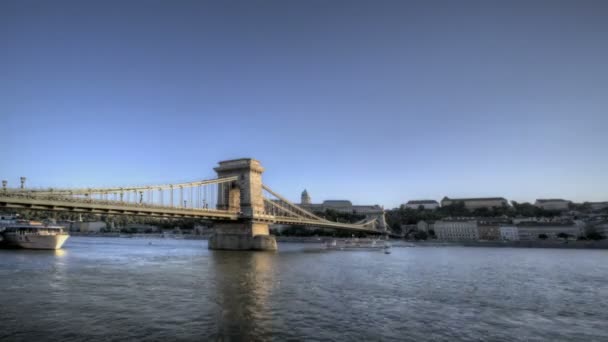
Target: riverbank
x=601, y=244
x=142, y=235
x=579, y=244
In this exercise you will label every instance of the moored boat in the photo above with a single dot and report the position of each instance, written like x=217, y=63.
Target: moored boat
x=358, y=244
x=34, y=236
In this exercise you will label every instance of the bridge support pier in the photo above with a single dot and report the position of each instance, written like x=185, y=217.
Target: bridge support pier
x=245, y=196
x=241, y=236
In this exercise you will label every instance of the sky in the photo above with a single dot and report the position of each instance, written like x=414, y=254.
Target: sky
x=379, y=102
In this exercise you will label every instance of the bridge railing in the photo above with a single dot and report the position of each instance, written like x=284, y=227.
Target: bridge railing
x=198, y=195
x=286, y=212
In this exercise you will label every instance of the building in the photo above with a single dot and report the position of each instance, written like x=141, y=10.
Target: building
x=342, y=206
x=476, y=203
x=552, y=204
x=602, y=228
x=425, y=204
x=598, y=205
x=425, y=226
x=305, y=199
x=406, y=228
x=509, y=233
x=488, y=231
x=456, y=230
x=534, y=230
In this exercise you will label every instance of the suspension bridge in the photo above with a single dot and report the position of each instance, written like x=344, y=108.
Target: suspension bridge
x=240, y=204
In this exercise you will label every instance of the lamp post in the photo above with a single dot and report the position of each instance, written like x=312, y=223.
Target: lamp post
x=23, y=182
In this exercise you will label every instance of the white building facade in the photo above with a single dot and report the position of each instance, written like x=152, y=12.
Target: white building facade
x=456, y=230
x=534, y=230
x=509, y=233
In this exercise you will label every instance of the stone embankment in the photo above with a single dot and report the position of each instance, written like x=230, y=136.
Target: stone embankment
x=579, y=244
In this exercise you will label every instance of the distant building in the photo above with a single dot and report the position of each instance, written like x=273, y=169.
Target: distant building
x=476, y=203
x=405, y=228
x=425, y=226
x=532, y=230
x=426, y=204
x=343, y=206
x=517, y=220
x=509, y=233
x=552, y=204
x=455, y=230
x=488, y=231
x=602, y=228
x=598, y=205
x=305, y=200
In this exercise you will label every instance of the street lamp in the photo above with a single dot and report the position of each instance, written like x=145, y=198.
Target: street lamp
x=23, y=182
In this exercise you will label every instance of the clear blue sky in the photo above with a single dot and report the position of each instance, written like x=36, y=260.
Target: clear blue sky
x=375, y=101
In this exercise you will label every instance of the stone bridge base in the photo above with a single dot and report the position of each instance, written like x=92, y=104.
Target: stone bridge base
x=242, y=236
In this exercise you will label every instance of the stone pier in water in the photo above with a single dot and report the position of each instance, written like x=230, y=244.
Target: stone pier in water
x=244, y=195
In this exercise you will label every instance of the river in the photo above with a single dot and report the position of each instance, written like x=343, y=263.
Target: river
x=113, y=289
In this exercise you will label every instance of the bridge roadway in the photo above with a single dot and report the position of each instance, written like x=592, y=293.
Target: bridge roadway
x=108, y=208
x=98, y=207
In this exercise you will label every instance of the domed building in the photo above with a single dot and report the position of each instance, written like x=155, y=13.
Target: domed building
x=344, y=206
x=305, y=197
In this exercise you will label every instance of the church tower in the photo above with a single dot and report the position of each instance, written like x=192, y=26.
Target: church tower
x=305, y=197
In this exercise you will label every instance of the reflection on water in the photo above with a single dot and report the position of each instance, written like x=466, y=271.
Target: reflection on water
x=244, y=286
x=103, y=289
x=60, y=252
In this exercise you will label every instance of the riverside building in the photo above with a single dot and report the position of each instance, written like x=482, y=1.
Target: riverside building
x=456, y=230
x=534, y=230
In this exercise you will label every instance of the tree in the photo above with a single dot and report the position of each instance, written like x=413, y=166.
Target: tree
x=420, y=235
x=593, y=234
x=563, y=235
x=543, y=236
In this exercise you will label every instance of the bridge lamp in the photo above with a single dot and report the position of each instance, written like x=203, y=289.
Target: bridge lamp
x=23, y=182
x=4, y=182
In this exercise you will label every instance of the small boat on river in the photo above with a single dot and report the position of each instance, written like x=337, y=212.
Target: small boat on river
x=359, y=244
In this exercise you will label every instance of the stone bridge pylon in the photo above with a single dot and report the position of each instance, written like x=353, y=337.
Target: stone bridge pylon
x=250, y=231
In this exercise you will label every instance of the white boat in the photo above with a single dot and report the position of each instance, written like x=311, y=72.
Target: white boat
x=34, y=236
x=358, y=244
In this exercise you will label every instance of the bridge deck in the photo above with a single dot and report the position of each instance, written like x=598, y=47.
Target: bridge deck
x=99, y=207
x=114, y=209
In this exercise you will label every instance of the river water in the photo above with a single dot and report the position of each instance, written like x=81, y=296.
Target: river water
x=111, y=289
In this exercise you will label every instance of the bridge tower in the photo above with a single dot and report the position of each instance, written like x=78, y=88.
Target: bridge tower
x=244, y=195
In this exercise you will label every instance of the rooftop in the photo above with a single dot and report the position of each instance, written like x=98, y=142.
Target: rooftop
x=545, y=224
x=422, y=202
x=337, y=203
x=474, y=199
